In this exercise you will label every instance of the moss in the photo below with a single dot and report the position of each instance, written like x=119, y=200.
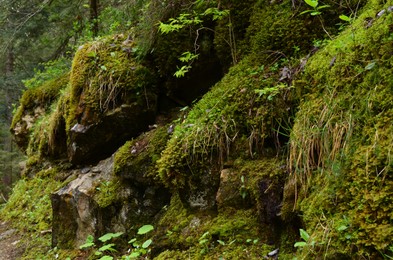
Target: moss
x=107, y=192
x=231, y=111
x=230, y=234
x=341, y=142
x=104, y=75
x=41, y=96
x=139, y=156
x=29, y=210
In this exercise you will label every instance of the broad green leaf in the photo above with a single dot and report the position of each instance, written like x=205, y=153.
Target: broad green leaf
x=300, y=244
x=344, y=18
x=106, y=257
x=342, y=228
x=304, y=235
x=312, y=3
x=135, y=254
x=145, y=229
x=109, y=236
x=315, y=13
x=108, y=247
x=147, y=243
x=88, y=243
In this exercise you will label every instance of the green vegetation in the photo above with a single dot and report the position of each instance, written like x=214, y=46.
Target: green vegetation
x=290, y=149
x=29, y=209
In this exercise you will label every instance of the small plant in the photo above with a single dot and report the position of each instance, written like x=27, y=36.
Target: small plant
x=138, y=248
x=196, y=20
x=306, y=240
x=106, y=248
x=271, y=92
x=243, y=188
x=203, y=241
x=316, y=11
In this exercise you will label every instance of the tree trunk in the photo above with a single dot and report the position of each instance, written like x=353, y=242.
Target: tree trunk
x=94, y=16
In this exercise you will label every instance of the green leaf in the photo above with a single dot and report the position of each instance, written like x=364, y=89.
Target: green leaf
x=370, y=66
x=221, y=242
x=147, y=243
x=109, y=236
x=132, y=241
x=315, y=13
x=145, y=229
x=188, y=56
x=342, y=228
x=135, y=254
x=182, y=71
x=92, y=54
x=312, y=3
x=88, y=243
x=108, y=247
x=106, y=257
x=344, y=18
x=322, y=7
x=307, y=11
x=300, y=244
x=203, y=241
x=304, y=235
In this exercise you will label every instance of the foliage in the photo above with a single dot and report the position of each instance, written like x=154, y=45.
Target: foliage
x=107, y=251
x=341, y=142
x=194, y=20
x=222, y=117
x=316, y=8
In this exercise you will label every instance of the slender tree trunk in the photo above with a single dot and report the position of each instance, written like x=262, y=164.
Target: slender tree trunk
x=94, y=4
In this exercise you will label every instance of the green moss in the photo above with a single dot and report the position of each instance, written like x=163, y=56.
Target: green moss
x=341, y=142
x=230, y=234
x=231, y=111
x=107, y=192
x=104, y=75
x=140, y=155
x=41, y=96
x=29, y=210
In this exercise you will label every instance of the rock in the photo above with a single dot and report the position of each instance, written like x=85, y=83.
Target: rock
x=94, y=204
x=23, y=127
x=101, y=138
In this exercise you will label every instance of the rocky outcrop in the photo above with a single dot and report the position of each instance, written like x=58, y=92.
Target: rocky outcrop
x=97, y=202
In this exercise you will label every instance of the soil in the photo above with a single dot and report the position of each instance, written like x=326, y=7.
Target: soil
x=11, y=247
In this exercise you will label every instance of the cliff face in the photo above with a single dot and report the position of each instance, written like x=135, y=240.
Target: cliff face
x=296, y=136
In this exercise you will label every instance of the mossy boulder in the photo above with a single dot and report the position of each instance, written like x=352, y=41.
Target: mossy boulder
x=342, y=140
x=34, y=104
x=100, y=201
x=112, y=98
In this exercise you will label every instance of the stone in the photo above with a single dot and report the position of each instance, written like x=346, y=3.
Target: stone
x=90, y=142
x=84, y=208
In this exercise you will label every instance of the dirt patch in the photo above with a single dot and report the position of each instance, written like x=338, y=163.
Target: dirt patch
x=10, y=245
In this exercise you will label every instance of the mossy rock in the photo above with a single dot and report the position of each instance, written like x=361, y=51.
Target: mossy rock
x=204, y=236
x=341, y=141
x=34, y=104
x=113, y=98
x=136, y=159
x=230, y=113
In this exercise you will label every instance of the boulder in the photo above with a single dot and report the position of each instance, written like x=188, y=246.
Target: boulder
x=98, y=202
